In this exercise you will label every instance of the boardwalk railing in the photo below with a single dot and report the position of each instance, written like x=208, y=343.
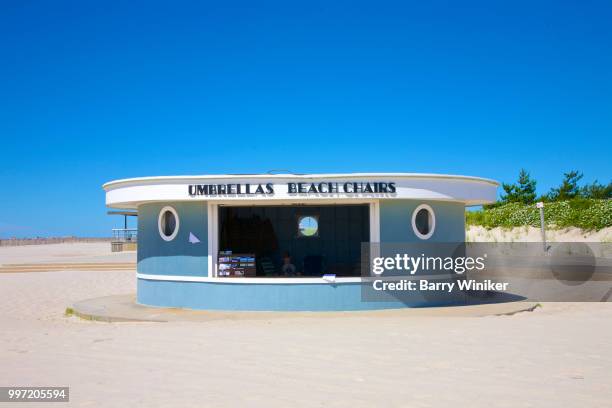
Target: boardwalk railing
x=125, y=234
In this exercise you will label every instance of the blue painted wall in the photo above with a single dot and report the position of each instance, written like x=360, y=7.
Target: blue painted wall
x=179, y=256
x=278, y=297
x=396, y=221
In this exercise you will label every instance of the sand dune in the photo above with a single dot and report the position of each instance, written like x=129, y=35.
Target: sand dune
x=531, y=234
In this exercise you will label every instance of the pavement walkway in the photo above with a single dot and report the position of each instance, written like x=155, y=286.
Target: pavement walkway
x=123, y=308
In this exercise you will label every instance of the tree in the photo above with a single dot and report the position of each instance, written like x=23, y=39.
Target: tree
x=597, y=191
x=522, y=192
x=568, y=189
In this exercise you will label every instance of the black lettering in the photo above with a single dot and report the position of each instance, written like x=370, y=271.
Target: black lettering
x=293, y=188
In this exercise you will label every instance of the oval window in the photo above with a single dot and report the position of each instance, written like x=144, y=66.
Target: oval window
x=308, y=226
x=423, y=221
x=168, y=223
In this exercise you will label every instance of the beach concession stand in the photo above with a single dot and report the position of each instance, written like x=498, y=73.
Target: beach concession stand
x=283, y=241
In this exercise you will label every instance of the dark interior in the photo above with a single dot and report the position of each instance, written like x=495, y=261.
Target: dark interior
x=271, y=233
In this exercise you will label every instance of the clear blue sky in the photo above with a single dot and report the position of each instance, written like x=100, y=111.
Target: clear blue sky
x=94, y=91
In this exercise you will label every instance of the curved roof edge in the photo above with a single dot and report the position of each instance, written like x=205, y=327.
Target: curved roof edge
x=190, y=178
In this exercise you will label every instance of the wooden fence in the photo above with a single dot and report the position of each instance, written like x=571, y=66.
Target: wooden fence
x=42, y=241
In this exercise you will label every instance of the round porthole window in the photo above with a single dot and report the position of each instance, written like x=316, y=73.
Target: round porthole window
x=308, y=226
x=168, y=223
x=423, y=221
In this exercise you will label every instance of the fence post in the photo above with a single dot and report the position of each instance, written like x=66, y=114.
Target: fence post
x=540, y=205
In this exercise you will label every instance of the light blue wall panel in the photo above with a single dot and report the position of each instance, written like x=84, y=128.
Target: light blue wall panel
x=396, y=221
x=179, y=256
x=276, y=297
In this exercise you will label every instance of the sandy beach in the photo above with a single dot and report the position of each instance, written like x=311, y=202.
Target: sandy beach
x=558, y=355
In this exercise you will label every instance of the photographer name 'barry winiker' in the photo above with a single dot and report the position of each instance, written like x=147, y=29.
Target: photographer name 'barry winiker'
x=428, y=285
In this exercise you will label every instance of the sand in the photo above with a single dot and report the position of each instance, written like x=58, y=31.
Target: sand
x=97, y=252
x=558, y=355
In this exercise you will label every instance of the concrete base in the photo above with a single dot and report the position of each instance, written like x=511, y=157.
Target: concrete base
x=123, y=308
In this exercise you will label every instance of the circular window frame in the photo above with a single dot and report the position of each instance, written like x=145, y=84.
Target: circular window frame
x=299, y=218
x=433, y=221
x=165, y=237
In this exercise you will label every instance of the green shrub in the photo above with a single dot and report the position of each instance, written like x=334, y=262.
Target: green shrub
x=588, y=214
